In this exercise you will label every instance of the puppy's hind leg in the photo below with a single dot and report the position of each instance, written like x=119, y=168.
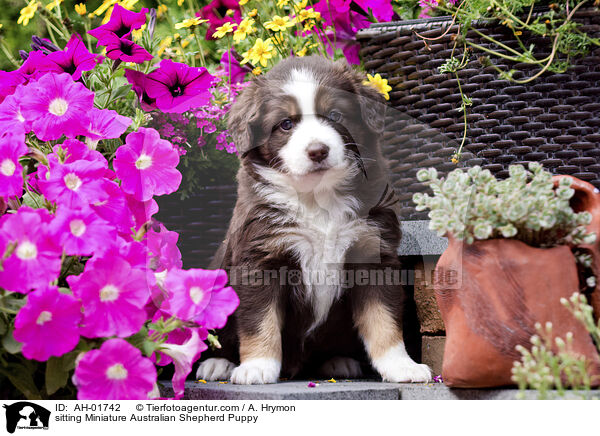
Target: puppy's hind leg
x=382, y=337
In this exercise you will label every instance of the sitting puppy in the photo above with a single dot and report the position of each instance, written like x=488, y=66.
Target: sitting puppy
x=313, y=206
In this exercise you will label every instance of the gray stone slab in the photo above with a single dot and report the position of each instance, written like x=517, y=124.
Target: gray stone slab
x=418, y=240
x=290, y=390
x=355, y=390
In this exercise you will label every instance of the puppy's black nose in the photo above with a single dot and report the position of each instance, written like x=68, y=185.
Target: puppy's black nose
x=317, y=152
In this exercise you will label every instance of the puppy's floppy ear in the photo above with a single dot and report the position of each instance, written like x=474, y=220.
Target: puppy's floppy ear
x=242, y=120
x=372, y=104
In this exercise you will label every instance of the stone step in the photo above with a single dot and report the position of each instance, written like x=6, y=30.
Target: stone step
x=353, y=390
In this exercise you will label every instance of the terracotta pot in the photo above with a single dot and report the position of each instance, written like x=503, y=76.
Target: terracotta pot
x=491, y=294
x=587, y=198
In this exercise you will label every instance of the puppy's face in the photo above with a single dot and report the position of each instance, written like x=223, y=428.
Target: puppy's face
x=306, y=120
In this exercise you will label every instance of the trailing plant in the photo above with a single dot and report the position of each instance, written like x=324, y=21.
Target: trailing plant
x=550, y=364
x=474, y=205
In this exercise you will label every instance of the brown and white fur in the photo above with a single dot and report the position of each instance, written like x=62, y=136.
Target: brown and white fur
x=312, y=197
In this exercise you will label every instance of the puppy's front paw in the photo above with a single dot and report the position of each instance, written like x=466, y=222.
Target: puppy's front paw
x=406, y=371
x=342, y=367
x=215, y=369
x=256, y=372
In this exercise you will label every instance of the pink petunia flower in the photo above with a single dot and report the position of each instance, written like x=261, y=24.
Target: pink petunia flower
x=114, y=208
x=48, y=325
x=81, y=232
x=216, y=14
x=11, y=118
x=177, y=87
x=232, y=67
x=35, y=259
x=74, y=184
x=125, y=50
x=35, y=66
x=162, y=244
x=106, y=124
x=116, y=371
x=183, y=356
x=190, y=290
x=138, y=81
x=121, y=23
x=57, y=106
x=222, y=303
x=75, y=58
x=113, y=295
x=146, y=165
x=9, y=80
x=11, y=171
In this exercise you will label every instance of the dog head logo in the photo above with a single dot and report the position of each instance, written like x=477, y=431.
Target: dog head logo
x=26, y=415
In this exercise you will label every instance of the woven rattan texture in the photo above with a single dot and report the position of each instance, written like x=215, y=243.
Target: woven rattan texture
x=553, y=120
x=200, y=220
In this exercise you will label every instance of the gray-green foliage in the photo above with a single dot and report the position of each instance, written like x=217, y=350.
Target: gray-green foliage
x=474, y=205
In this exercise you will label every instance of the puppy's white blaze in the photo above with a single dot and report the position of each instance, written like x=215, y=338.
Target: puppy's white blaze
x=303, y=87
x=257, y=371
x=396, y=366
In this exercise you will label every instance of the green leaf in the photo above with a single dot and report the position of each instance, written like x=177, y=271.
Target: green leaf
x=10, y=344
x=22, y=379
x=33, y=200
x=58, y=370
x=148, y=347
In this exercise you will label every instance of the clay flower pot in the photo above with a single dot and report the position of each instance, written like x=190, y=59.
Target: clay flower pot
x=491, y=293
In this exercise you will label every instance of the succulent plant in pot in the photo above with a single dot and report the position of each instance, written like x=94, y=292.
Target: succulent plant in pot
x=512, y=255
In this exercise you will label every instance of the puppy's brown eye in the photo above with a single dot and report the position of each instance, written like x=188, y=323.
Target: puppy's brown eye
x=335, y=116
x=286, y=124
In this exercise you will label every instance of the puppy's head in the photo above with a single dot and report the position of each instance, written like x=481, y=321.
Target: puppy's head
x=309, y=120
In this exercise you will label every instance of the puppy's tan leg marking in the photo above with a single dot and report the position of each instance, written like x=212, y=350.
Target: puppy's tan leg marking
x=260, y=353
x=383, y=341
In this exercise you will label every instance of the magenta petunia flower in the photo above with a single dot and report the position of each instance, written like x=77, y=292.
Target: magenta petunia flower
x=57, y=106
x=9, y=80
x=11, y=118
x=163, y=245
x=81, y=232
x=216, y=14
x=141, y=211
x=183, y=356
x=36, y=65
x=190, y=290
x=138, y=83
x=11, y=171
x=125, y=50
x=381, y=9
x=116, y=371
x=231, y=65
x=74, y=184
x=146, y=165
x=74, y=150
x=114, y=208
x=75, y=58
x=48, y=324
x=223, y=302
x=35, y=260
x=113, y=295
x=121, y=23
x=106, y=124
x=177, y=87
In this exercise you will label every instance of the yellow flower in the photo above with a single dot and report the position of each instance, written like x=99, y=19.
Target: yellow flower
x=229, y=12
x=104, y=7
x=53, y=4
x=257, y=71
x=223, y=30
x=282, y=3
x=379, y=83
x=28, y=12
x=454, y=160
x=300, y=5
x=180, y=2
x=253, y=13
x=128, y=4
x=260, y=52
x=278, y=24
x=185, y=42
x=189, y=22
x=244, y=28
x=243, y=2
x=162, y=46
x=161, y=10
x=137, y=33
x=305, y=14
x=81, y=9
x=302, y=53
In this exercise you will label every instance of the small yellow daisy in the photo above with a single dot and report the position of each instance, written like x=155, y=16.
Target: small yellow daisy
x=279, y=24
x=189, y=22
x=243, y=29
x=379, y=83
x=81, y=9
x=223, y=30
x=28, y=12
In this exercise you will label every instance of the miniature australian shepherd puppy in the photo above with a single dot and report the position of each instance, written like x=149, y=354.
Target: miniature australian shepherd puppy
x=314, y=207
